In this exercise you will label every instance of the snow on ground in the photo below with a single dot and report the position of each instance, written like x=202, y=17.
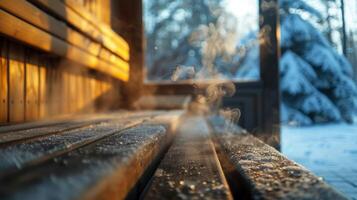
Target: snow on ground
x=329, y=151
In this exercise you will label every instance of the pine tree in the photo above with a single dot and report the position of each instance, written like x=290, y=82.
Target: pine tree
x=316, y=82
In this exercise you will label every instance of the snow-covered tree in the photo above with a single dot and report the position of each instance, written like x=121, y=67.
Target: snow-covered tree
x=316, y=81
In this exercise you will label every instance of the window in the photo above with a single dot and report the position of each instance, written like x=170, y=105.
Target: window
x=201, y=40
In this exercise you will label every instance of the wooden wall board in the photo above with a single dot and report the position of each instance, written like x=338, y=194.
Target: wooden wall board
x=72, y=92
x=80, y=93
x=14, y=27
x=67, y=14
x=42, y=90
x=65, y=92
x=32, y=86
x=3, y=81
x=112, y=41
x=16, y=83
x=75, y=14
x=33, y=15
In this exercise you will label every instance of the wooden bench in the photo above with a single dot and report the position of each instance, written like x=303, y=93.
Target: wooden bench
x=147, y=155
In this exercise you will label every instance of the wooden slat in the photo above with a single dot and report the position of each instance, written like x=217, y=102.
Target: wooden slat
x=3, y=82
x=65, y=92
x=39, y=149
x=42, y=90
x=16, y=82
x=266, y=173
x=42, y=20
x=32, y=86
x=87, y=101
x=190, y=169
x=68, y=119
x=51, y=89
x=29, y=34
x=70, y=16
x=92, y=28
x=107, y=169
x=103, y=11
x=112, y=40
x=45, y=130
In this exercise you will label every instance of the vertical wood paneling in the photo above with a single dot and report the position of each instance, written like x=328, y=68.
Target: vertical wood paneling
x=93, y=94
x=72, y=93
x=104, y=13
x=54, y=89
x=3, y=82
x=35, y=86
x=65, y=92
x=42, y=90
x=80, y=93
x=32, y=86
x=57, y=91
x=77, y=97
x=16, y=83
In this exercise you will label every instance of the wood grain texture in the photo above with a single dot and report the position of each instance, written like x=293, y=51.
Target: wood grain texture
x=111, y=39
x=67, y=14
x=118, y=156
x=75, y=14
x=31, y=14
x=3, y=81
x=43, y=100
x=65, y=92
x=265, y=172
x=16, y=83
x=31, y=35
x=32, y=86
x=190, y=168
x=72, y=93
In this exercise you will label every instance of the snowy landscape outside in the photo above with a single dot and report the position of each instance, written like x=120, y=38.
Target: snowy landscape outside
x=219, y=39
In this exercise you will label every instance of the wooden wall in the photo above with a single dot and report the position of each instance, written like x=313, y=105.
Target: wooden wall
x=99, y=8
x=59, y=57
x=36, y=85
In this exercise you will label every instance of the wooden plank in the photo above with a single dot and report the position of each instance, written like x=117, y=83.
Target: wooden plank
x=30, y=152
x=106, y=169
x=31, y=35
x=3, y=81
x=190, y=169
x=79, y=93
x=31, y=14
x=49, y=129
x=112, y=41
x=32, y=86
x=43, y=105
x=265, y=172
x=72, y=92
x=104, y=6
x=51, y=89
x=16, y=83
x=65, y=92
x=163, y=102
x=89, y=103
x=68, y=15
x=61, y=120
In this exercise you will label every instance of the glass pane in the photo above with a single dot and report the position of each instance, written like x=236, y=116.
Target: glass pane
x=201, y=39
